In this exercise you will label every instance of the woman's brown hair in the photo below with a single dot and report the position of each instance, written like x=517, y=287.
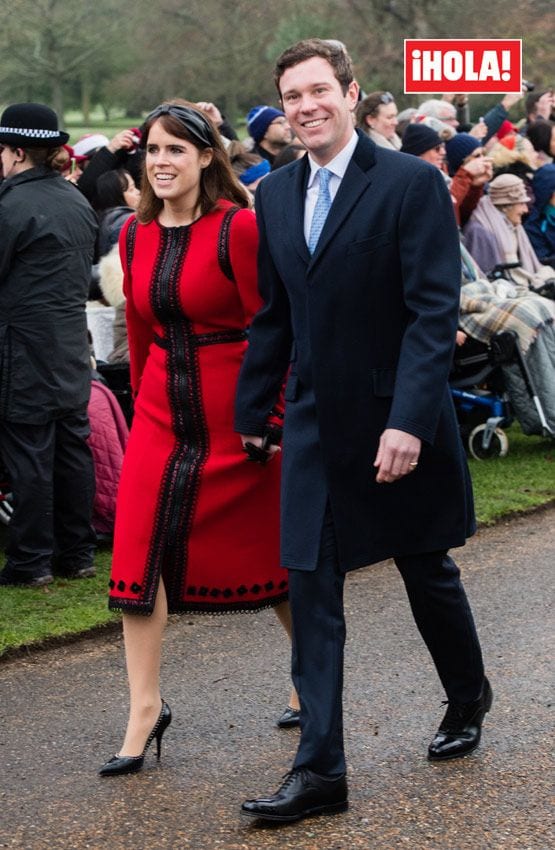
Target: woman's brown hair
x=217, y=180
x=370, y=106
x=42, y=156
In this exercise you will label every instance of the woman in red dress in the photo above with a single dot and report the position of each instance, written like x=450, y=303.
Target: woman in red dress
x=196, y=526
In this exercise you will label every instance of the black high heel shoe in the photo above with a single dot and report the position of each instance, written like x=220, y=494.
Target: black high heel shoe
x=290, y=718
x=131, y=764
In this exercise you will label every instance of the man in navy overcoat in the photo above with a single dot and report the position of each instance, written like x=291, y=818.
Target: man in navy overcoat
x=359, y=268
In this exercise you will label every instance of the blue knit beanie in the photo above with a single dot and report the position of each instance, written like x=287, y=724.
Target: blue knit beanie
x=458, y=148
x=260, y=118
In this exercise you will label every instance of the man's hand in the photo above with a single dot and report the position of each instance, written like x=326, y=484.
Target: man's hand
x=270, y=450
x=397, y=456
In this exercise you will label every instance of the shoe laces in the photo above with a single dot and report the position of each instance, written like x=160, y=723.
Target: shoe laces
x=289, y=777
x=457, y=714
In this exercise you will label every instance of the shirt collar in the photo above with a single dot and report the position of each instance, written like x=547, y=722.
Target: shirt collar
x=338, y=165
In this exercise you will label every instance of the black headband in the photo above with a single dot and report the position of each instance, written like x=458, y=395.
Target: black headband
x=194, y=122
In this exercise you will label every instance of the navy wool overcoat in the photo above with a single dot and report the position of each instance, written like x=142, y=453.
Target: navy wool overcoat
x=365, y=331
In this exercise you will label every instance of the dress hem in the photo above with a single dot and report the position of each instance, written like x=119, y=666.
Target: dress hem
x=252, y=606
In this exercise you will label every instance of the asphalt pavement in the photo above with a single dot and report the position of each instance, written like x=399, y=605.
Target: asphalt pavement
x=63, y=711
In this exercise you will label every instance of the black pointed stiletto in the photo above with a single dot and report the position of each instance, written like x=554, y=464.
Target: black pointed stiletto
x=118, y=765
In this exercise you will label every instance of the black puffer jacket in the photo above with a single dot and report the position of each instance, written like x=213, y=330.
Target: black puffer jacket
x=48, y=232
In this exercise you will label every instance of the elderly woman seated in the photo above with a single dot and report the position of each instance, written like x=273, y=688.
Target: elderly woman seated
x=489, y=307
x=497, y=241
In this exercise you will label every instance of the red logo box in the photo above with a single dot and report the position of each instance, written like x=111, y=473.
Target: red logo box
x=489, y=66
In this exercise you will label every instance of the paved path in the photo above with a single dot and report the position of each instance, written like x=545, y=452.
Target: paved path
x=63, y=712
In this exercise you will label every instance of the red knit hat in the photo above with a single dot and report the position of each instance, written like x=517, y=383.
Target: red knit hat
x=504, y=130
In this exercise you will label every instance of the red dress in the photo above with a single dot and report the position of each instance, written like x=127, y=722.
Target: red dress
x=190, y=507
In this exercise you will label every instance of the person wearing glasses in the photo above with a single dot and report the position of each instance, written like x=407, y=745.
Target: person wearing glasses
x=376, y=115
x=424, y=142
x=269, y=130
x=196, y=525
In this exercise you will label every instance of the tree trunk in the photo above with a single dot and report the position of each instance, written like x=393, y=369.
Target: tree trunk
x=58, y=99
x=86, y=99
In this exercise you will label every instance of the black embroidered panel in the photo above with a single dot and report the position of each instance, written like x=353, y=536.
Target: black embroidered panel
x=224, y=259
x=211, y=338
x=187, y=606
x=180, y=483
x=130, y=243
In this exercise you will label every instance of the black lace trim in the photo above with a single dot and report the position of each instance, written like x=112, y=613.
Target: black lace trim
x=137, y=606
x=130, y=243
x=224, y=259
x=217, y=337
x=178, y=492
x=212, y=338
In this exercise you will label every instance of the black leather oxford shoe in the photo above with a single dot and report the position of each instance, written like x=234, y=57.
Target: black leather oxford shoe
x=302, y=793
x=460, y=730
x=290, y=718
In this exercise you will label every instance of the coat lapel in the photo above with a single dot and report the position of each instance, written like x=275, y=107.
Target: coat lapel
x=299, y=177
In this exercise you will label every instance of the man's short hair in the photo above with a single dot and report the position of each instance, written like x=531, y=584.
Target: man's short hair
x=332, y=51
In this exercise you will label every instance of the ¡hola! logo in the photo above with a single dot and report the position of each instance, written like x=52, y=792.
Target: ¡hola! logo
x=489, y=66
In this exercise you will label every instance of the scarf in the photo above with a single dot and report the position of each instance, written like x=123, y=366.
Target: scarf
x=393, y=144
x=512, y=241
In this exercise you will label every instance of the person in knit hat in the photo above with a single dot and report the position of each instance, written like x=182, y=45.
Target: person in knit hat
x=269, y=130
x=420, y=140
x=470, y=170
x=459, y=148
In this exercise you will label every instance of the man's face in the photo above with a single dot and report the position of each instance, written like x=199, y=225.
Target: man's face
x=319, y=113
x=279, y=133
x=448, y=115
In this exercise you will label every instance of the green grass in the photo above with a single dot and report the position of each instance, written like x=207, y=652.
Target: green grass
x=522, y=480
x=32, y=615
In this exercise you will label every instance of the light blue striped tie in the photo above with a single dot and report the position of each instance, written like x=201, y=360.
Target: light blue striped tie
x=321, y=210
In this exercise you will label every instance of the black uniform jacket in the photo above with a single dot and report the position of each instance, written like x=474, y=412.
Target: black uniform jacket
x=366, y=327
x=47, y=235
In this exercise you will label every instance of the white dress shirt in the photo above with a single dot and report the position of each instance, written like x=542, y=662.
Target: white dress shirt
x=338, y=167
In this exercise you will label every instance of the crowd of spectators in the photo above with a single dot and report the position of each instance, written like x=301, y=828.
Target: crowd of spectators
x=500, y=174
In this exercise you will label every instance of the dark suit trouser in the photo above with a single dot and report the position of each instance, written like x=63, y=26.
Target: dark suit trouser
x=52, y=477
x=441, y=612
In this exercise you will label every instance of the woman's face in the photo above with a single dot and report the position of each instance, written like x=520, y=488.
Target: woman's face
x=131, y=195
x=435, y=156
x=174, y=166
x=514, y=213
x=385, y=120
